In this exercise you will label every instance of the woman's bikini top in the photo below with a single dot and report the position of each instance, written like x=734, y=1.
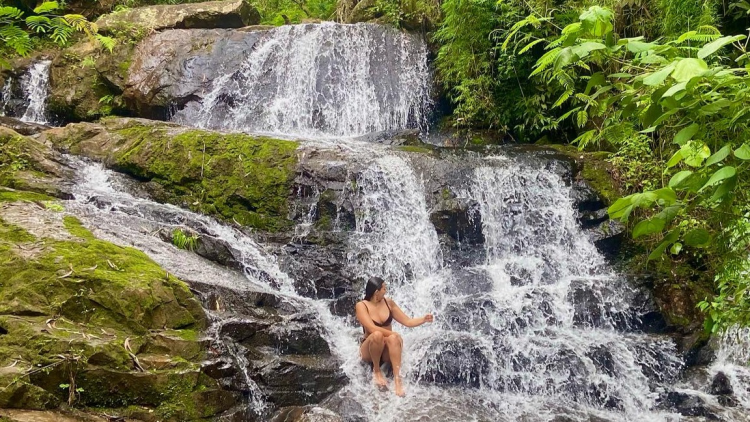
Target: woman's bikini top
x=385, y=323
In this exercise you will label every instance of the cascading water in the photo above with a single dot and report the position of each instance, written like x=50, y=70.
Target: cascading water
x=35, y=86
x=542, y=329
x=321, y=80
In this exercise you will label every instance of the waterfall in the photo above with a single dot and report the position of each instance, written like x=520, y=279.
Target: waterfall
x=35, y=86
x=5, y=96
x=318, y=80
x=732, y=359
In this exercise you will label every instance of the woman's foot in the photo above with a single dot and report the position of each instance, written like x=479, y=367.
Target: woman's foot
x=379, y=379
x=399, y=388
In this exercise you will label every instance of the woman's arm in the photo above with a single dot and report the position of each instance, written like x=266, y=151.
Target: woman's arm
x=364, y=318
x=404, y=319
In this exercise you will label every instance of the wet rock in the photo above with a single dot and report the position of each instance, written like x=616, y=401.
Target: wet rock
x=720, y=385
x=23, y=128
x=306, y=414
x=173, y=67
x=686, y=405
x=293, y=380
x=461, y=361
x=603, y=360
x=214, y=14
x=458, y=218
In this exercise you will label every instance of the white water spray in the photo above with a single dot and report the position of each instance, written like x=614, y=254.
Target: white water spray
x=318, y=80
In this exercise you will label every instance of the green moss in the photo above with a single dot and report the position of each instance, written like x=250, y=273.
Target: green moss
x=74, y=227
x=595, y=172
x=14, y=196
x=14, y=234
x=233, y=176
x=93, y=282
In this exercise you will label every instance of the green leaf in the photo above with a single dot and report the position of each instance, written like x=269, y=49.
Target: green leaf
x=658, y=77
x=715, y=45
x=743, y=152
x=666, y=196
x=637, y=47
x=718, y=156
x=46, y=7
x=686, y=69
x=676, y=248
x=676, y=158
x=597, y=21
x=679, y=178
x=724, y=189
x=686, y=134
x=650, y=226
x=697, y=238
x=719, y=175
x=668, y=214
x=695, y=152
x=595, y=80
x=621, y=208
x=668, y=241
x=678, y=87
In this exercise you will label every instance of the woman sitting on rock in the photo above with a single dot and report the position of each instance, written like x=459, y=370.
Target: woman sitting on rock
x=381, y=344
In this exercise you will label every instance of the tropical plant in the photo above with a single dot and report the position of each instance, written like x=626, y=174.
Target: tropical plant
x=19, y=32
x=693, y=105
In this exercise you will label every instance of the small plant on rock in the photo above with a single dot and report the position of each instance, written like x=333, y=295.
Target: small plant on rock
x=184, y=240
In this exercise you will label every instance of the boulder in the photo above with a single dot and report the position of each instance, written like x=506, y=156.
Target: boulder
x=213, y=14
x=173, y=67
x=720, y=385
x=31, y=164
x=23, y=128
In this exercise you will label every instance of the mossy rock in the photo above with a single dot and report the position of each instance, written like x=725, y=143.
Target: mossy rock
x=594, y=169
x=30, y=165
x=235, y=177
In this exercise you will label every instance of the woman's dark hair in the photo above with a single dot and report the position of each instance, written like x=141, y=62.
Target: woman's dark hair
x=373, y=285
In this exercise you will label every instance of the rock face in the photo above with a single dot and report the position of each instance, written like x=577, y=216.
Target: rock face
x=236, y=177
x=213, y=14
x=104, y=321
x=171, y=68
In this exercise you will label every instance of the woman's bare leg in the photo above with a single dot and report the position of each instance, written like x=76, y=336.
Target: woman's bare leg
x=371, y=351
x=394, y=345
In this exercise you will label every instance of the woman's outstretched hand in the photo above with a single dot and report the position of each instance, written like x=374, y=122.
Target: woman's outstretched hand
x=427, y=318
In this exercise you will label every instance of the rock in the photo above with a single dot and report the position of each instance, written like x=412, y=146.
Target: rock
x=460, y=219
x=77, y=95
x=720, y=385
x=173, y=67
x=309, y=413
x=186, y=161
x=213, y=14
x=21, y=127
x=686, y=405
x=294, y=380
x=461, y=361
x=31, y=164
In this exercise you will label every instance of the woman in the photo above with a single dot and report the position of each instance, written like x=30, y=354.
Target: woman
x=381, y=344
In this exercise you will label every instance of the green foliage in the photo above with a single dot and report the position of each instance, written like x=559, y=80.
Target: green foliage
x=19, y=32
x=678, y=113
x=677, y=16
x=280, y=12
x=487, y=85
x=183, y=240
